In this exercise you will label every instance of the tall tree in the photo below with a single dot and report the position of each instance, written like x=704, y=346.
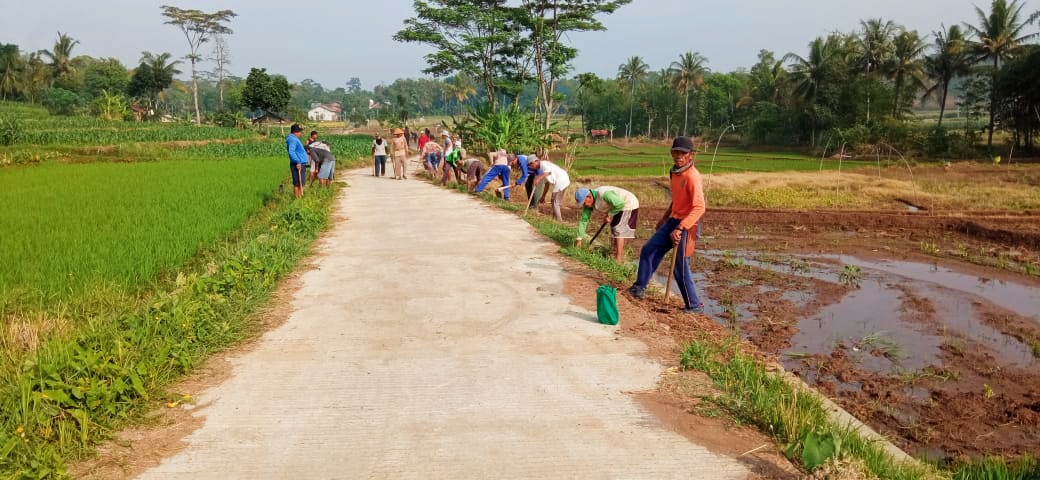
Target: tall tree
x=998, y=36
x=460, y=88
x=687, y=73
x=548, y=22
x=198, y=27
x=587, y=83
x=474, y=37
x=949, y=59
x=221, y=58
x=875, y=46
x=106, y=74
x=153, y=75
x=905, y=67
x=631, y=74
x=60, y=57
x=270, y=93
x=11, y=66
x=810, y=74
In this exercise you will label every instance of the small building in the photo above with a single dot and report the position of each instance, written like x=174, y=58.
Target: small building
x=325, y=112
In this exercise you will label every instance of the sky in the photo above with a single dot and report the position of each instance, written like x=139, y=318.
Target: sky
x=332, y=41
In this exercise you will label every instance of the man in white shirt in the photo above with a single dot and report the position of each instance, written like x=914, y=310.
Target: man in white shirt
x=556, y=177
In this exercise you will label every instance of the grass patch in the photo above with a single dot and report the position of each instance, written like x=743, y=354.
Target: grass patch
x=71, y=391
x=74, y=227
x=795, y=418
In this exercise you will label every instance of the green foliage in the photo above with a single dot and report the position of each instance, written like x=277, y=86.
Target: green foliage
x=62, y=102
x=105, y=75
x=109, y=106
x=266, y=92
x=508, y=128
x=10, y=131
x=851, y=276
x=816, y=449
x=1027, y=468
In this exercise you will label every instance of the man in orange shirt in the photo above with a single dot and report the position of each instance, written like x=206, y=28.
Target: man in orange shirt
x=676, y=227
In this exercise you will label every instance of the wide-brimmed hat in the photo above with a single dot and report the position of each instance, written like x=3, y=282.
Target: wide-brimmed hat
x=445, y=133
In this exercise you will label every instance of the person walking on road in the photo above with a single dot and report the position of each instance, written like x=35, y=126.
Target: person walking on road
x=297, y=158
x=677, y=228
x=400, y=154
x=379, y=148
x=499, y=168
x=553, y=175
x=619, y=207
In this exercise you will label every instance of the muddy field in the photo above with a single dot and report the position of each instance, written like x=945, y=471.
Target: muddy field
x=923, y=326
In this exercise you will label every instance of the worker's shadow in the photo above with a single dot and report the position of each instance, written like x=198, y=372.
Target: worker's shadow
x=589, y=317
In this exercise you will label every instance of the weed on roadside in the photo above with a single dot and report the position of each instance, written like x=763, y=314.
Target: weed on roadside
x=851, y=276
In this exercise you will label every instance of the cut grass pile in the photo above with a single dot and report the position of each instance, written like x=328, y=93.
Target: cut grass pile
x=71, y=228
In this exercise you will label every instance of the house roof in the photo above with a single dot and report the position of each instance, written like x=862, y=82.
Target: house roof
x=334, y=107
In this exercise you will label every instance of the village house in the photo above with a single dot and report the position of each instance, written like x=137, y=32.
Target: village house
x=320, y=112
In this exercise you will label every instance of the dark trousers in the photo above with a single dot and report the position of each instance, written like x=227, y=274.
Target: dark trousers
x=653, y=253
x=380, y=166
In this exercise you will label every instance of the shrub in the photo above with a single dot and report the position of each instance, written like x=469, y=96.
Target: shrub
x=62, y=102
x=10, y=131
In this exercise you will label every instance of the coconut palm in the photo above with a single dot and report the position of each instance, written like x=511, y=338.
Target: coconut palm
x=905, y=67
x=875, y=46
x=60, y=57
x=460, y=88
x=11, y=65
x=632, y=73
x=998, y=36
x=809, y=74
x=687, y=73
x=162, y=70
x=948, y=60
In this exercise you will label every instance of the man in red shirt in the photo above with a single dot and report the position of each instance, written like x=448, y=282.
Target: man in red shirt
x=675, y=228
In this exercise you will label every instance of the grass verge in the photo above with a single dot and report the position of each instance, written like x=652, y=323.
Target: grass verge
x=71, y=391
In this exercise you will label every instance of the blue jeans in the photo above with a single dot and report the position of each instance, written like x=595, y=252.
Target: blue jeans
x=434, y=159
x=501, y=171
x=380, y=167
x=653, y=253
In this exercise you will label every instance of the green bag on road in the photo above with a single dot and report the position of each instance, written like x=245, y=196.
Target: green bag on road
x=606, y=305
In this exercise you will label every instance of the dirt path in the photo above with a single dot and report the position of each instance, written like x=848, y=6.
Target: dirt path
x=433, y=340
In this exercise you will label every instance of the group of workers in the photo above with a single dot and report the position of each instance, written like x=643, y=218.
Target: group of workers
x=677, y=228
x=315, y=156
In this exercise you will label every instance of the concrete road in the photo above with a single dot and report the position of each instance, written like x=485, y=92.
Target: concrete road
x=433, y=341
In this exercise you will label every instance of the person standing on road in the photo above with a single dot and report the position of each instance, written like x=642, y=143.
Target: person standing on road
x=379, y=147
x=619, y=206
x=555, y=176
x=400, y=152
x=425, y=137
x=499, y=168
x=677, y=228
x=297, y=158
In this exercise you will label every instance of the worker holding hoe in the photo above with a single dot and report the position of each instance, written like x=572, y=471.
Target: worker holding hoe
x=297, y=159
x=400, y=153
x=553, y=175
x=619, y=207
x=500, y=169
x=677, y=228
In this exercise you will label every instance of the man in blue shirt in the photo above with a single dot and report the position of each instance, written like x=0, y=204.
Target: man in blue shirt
x=297, y=158
x=526, y=175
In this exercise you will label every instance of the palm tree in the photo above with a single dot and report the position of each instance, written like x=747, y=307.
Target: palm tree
x=998, y=36
x=949, y=60
x=632, y=73
x=905, y=67
x=875, y=47
x=688, y=72
x=36, y=76
x=809, y=74
x=11, y=65
x=460, y=88
x=60, y=57
x=162, y=70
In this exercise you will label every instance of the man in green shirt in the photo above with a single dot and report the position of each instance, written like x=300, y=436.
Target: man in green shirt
x=619, y=206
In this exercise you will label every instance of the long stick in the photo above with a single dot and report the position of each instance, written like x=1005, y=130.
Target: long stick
x=534, y=193
x=596, y=235
x=668, y=286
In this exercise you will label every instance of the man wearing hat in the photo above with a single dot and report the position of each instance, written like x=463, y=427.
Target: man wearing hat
x=554, y=175
x=400, y=153
x=619, y=206
x=297, y=158
x=677, y=228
